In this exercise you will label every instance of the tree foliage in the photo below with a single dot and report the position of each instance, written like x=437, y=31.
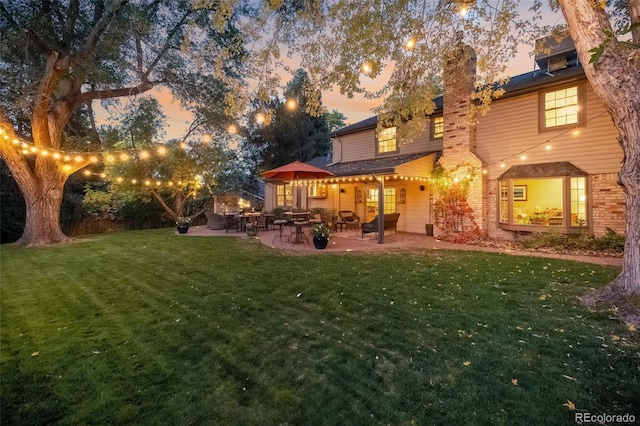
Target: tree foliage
x=290, y=132
x=58, y=57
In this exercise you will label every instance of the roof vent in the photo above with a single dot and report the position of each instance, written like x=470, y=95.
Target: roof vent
x=554, y=55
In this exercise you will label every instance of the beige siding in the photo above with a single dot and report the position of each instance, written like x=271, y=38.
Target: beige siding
x=356, y=146
x=362, y=146
x=420, y=168
x=415, y=213
x=511, y=127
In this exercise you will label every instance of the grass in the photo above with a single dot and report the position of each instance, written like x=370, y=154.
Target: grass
x=147, y=328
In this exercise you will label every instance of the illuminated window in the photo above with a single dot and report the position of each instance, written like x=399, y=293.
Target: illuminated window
x=387, y=140
x=504, y=201
x=390, y=202
x=578, y=201
x=527, y=200
x=284, y=195
x=437, y=128
x=561, y=108
x=317, y=190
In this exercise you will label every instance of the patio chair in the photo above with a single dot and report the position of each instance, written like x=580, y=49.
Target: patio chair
x=350, y=219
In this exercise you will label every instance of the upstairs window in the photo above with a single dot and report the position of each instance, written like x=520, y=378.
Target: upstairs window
x=387, y=140
x=437, y=128
x=561, y=108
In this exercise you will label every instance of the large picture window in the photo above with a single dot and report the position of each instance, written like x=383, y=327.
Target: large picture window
x=531, y=196
x=387, y=140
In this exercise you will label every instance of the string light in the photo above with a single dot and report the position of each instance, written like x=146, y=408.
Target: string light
x=547, y=145
x=410, y=44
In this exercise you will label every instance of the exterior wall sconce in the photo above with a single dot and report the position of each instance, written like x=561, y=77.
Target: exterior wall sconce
x=421, y=187
x=342, y=190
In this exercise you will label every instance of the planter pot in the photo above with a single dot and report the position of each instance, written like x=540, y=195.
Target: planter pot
x=320, y=243
x=252, y=233
x=183, y=228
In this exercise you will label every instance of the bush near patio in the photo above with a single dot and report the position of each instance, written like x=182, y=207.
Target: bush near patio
x=143, y=327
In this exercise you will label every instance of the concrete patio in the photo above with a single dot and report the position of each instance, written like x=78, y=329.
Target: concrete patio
x=351, y=241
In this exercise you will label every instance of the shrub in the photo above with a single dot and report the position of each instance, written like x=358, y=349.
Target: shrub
x=611, y=242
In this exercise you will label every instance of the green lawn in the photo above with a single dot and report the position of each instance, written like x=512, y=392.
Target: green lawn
x=149, y=328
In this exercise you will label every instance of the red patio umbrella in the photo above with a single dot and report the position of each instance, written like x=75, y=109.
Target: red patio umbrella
x=297, y=170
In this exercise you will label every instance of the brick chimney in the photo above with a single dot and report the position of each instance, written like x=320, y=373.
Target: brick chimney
x=460, y=134
x=459, y=83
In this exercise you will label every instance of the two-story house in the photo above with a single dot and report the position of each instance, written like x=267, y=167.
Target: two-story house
x=546, y=156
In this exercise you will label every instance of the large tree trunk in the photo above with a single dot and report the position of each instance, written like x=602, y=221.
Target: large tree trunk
x=43, y=200
x=615, y=78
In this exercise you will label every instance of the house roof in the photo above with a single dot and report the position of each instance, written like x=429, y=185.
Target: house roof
x=517, y=85
x=375, y=165
x=524, y=171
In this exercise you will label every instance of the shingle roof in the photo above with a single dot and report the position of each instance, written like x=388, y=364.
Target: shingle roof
x=517, y=85
x=375, y=165
x=524, y=171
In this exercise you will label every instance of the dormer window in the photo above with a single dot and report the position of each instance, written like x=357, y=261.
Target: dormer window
x=387, y=141
x=561, y=108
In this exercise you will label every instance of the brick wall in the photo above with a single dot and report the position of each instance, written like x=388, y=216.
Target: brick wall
x=608, y=207
x=460, y=132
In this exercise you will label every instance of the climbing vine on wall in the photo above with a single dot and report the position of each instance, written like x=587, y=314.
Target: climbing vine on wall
x=453, y=215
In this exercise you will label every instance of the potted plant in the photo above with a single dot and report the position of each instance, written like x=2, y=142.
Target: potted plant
x=321, y=234
x=182, y=223
x=252, y=229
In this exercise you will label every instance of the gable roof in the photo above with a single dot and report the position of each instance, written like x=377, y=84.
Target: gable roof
x=517, y=85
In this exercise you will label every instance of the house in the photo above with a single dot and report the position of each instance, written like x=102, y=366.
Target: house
x=546, y=156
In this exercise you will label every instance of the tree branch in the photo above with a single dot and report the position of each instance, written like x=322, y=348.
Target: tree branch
x=97, y=31
x=70, y=23
x=164, y=205
x=31, y=35
x=165, y=48
x=115, y=93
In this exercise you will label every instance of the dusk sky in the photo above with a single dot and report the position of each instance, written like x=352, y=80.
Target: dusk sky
x=355, y=109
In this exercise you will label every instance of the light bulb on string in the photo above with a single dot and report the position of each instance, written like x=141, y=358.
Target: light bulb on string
x=162, y=150
x=410, y=44
x=291, y=104
x=206, y=138
x=233, y=129
x=143, y=155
